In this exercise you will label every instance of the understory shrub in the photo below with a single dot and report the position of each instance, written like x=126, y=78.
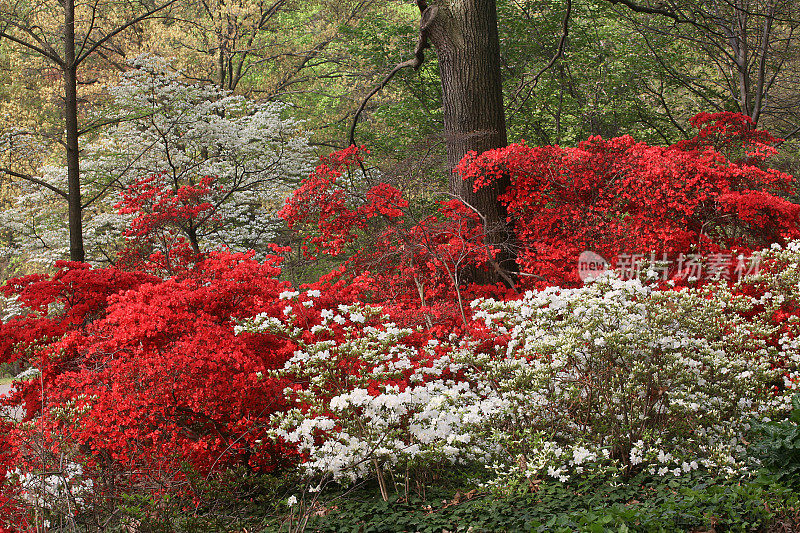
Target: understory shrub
x=620, y=377
x=611, y=379
x=778, y=445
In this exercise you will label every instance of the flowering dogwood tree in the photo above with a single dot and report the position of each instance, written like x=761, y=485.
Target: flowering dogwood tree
x=171, y=133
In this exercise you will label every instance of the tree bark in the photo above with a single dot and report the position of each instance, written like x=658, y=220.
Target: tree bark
x=70, y=73
x=194, y=242
x=465, y=37
x=464, y=34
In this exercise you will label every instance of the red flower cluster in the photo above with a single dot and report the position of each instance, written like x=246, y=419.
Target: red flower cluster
x=324, y=202
x=157, y=238
x=618, y=197
x=144, y=375
x=419, y=271
x=152, y=371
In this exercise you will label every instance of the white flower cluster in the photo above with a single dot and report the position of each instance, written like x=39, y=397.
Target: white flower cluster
x=611, y=377
x=57, y=490
x=352, y=414
x=189, y=131
x=11, y=307
x=28, y=374
x=671, y=379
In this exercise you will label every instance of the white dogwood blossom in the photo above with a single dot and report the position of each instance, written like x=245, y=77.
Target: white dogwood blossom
x=179, y=132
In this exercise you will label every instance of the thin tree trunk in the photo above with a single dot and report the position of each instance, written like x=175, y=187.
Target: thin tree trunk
x=76, y=251
x=191, y=232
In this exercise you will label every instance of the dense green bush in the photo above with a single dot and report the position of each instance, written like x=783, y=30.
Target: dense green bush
x=778, y=445
x=698, y=502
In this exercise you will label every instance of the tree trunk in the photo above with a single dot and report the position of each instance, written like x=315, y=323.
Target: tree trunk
x=464, y=34
x=191, y=232
x=70, y=72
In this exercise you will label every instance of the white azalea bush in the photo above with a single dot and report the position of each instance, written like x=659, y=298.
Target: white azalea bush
x=618, y=376
x=613, y=378
x=368, y=396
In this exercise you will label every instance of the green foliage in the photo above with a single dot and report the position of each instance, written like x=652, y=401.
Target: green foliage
x=236, y=500
x=402, y=123
x=605, y=83
x=697, y=502
x=778, y=446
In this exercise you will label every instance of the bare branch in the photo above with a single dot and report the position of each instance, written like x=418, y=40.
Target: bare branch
x=97, y=44
x=561, y=44
x=428, y=16
x=762, y=63
x=37, y=181
x=638, y=8
x=97, y=124
x=55, y=58
x=789, y=135
x=41, y=45
x=89, y=31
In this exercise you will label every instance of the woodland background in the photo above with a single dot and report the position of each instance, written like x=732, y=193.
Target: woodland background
x=283, y=265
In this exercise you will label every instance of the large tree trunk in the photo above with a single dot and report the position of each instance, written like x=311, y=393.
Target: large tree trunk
x=464, y=34
x=70, y=72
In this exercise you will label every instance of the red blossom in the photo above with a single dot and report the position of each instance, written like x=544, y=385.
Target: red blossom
x=618, y=197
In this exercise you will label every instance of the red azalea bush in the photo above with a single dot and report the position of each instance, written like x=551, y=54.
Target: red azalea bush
x=172, y=372
x=732, y=134
x=157, y=239
x=147, y=377
x=417, y=269
x=144, y=380
x=627, y=201
x=51, y=306
x=323, y=200
x=620, y=198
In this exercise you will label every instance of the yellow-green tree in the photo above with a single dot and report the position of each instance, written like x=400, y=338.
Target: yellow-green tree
x=68, y=35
